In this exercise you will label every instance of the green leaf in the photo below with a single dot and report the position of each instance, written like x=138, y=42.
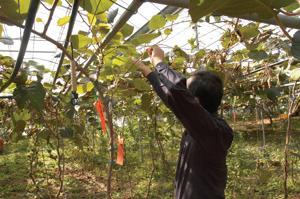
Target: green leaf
x=21, y=115
x=39, y=20
x=36, y=95
x=21, y=78
x=201, y=8
x=19, y=126
x=120, y=61
x=126, y=30
x=200, y=54
x=92, y=19
x=12, y=10
x=21, y=96
x=249, y=31
x=258, y=55
x=157, y=22
x=171, y=17
x=102, y=28
x=80, y=41
x=292, y=7
x=179, y=52
x=96, y=6
x=168, y=31
x=63, y=21
x=137, y=101
x=295, y=74
x=144, y=38
x=31, y=96
x=84, y=88
x=273, y=93
x=228, y=39
x=141, y=85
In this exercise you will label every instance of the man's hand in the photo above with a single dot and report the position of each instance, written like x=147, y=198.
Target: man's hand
x=142, y=67
x=156, y=54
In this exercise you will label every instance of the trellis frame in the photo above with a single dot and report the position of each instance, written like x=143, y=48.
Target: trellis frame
x=287, y=21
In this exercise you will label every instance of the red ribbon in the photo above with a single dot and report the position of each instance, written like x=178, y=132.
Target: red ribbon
x=99, y=108
x=121, y=151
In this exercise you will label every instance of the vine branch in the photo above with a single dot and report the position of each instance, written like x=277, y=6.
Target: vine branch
x=50, y=17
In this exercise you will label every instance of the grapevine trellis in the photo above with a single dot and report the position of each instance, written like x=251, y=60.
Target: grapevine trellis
x=243, y=76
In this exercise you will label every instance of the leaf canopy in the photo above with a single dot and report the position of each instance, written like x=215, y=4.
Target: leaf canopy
x=201, y=8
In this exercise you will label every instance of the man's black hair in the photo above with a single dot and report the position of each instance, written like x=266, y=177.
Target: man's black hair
x=208, y=88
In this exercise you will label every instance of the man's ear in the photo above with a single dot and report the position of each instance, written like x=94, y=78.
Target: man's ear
x=189, y=81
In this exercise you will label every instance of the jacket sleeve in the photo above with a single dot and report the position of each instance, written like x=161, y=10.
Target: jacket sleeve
x=171, y=88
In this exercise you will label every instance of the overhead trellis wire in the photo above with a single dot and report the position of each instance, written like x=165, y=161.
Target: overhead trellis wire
x=69, y=32
x=33, y=8
x=135, y=11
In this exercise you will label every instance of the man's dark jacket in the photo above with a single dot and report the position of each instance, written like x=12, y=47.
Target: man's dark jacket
x=201, y=171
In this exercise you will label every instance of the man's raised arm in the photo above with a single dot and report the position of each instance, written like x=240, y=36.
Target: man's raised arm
x=171, y=88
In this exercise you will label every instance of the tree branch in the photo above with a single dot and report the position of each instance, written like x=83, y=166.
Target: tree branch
x=50, y=16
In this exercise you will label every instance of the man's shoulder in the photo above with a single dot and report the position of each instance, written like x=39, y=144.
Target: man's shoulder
x=222, y=122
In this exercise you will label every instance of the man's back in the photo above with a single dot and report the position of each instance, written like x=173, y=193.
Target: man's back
x=201, y=170
x=199, y=173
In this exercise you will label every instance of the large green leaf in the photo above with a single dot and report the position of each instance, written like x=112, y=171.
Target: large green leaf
x=96, y=6
x=31, y=96
x=258, y=55
x=200, y=8
x=144, y=38
x=36, y=95
x=249, y=31
x=141, y=84
x=21, y=96
x=80, y=41
x=13, y=9
x=157, y=22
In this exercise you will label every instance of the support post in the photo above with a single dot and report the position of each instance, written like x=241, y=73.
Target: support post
x=70, y=29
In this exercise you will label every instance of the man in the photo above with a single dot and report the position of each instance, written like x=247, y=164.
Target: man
x=201, y=170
